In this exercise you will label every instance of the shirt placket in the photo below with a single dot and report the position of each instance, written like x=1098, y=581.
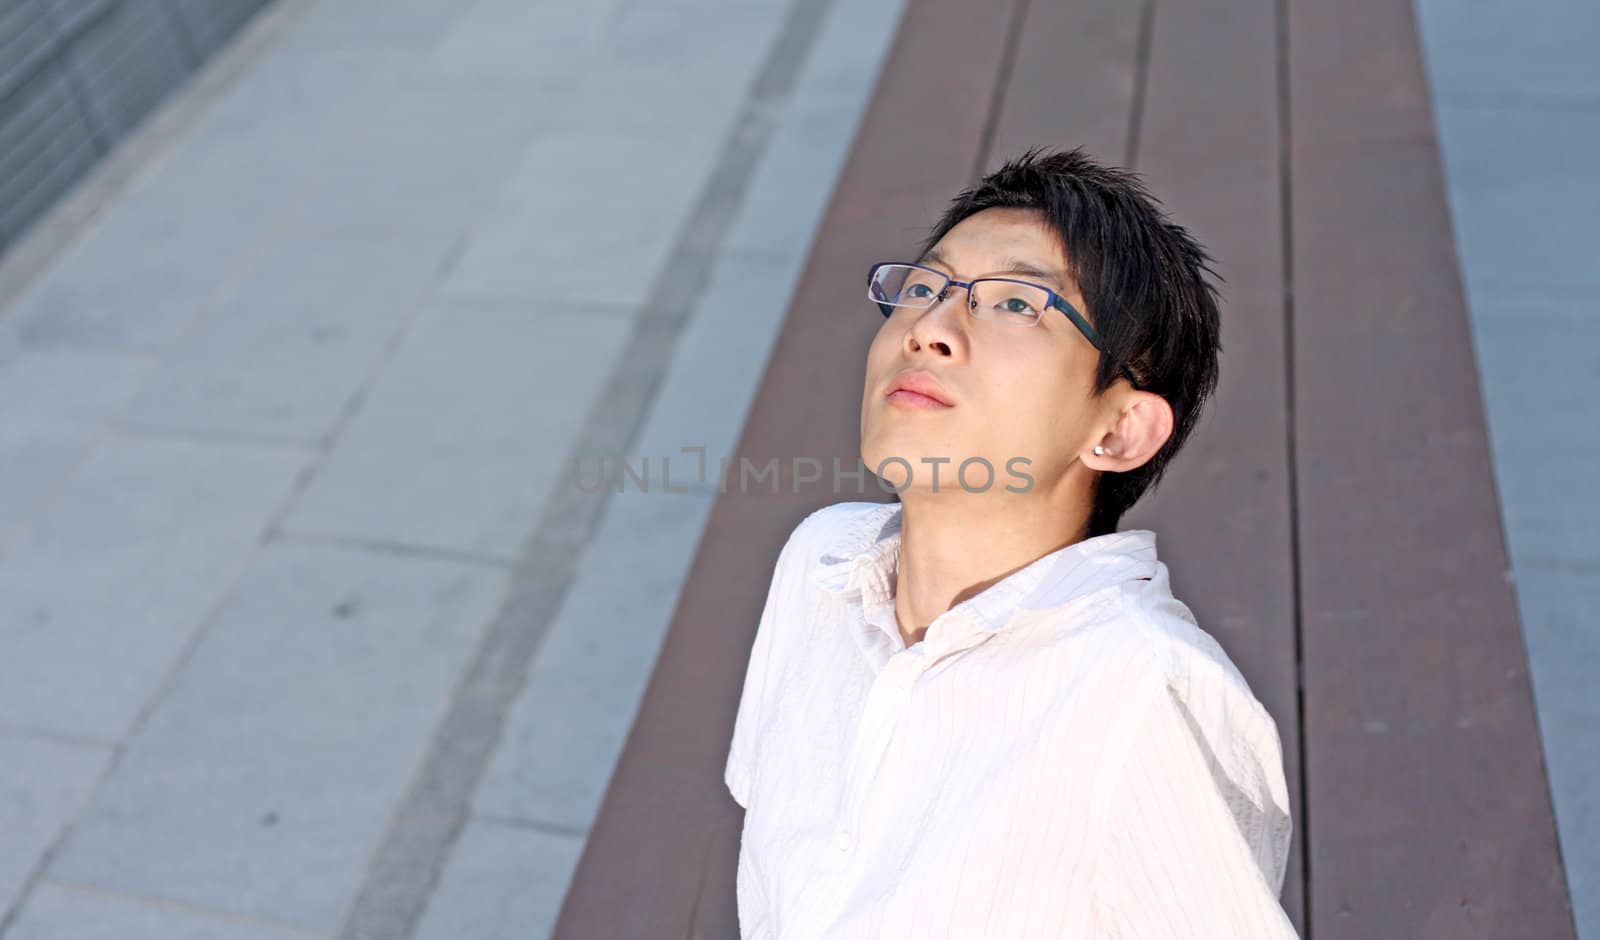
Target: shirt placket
x=885, y=704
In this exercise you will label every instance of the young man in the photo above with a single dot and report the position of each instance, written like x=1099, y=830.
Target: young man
x=979, y=711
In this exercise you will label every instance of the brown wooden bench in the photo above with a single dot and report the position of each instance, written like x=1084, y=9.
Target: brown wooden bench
x=1333, y=522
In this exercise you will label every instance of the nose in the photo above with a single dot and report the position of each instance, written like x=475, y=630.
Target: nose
x=942, y=326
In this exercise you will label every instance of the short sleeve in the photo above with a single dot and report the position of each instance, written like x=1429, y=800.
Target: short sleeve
x=1195, y=843
x=783, y=592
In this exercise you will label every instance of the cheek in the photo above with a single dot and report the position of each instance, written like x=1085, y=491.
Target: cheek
x=882, y=350
x=879, y=355
x=1040, y=400
x=886, y=339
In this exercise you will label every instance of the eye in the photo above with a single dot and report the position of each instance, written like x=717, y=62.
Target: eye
x=918, y=291
x=1016, y=305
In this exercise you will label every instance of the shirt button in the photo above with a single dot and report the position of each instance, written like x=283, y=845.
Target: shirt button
x=842, y=840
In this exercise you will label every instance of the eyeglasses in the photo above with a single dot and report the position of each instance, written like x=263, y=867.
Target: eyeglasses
x=1000, y=299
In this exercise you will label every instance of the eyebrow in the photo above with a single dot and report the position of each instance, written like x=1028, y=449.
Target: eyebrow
x=1057, y=279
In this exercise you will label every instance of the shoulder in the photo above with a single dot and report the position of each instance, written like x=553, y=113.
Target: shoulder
x=1183, y=668
x=1186, y=658
x=1192, y=697
x=842, y=518
x=812, y=542
x=838, y=525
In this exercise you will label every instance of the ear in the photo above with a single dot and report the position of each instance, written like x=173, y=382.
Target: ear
x=1141, y=427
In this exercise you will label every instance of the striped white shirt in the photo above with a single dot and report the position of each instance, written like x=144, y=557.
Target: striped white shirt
x=1065, y=754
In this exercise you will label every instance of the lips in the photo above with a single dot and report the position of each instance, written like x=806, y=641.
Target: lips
x=918, y=388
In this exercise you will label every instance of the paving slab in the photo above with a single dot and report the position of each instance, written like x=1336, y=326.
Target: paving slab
x=1530, y=227
x=1541, y=526
x=459, y=440
x=721, y=354
x=413, y=25
x=284, y=355
x=99, y=596
x=55, y=911
x=302, y=332
x=1539, y=355
x=778, y=219
x=505, y=882
x=612, y=214
x=170, y=241
x=43, y=785
x=1560, y=605
x=52, y=407
x=1509, y=53
x=564, y=733
x=618, y=212
x=535, y=39
x=269, y=771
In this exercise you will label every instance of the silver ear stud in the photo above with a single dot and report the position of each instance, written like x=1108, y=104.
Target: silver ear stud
x=1099, y=451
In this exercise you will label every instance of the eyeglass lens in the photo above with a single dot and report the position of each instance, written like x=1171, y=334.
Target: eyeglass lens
x=903, y=285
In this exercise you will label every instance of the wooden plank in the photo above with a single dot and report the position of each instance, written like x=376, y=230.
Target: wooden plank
x=1209, y=146
x=1429, y=809
x=1073, y=80
x=658, y=857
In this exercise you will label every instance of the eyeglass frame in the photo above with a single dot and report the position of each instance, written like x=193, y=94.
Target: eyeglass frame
x=1056, y=301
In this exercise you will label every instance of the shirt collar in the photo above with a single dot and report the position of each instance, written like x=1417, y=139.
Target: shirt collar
x=860, y=561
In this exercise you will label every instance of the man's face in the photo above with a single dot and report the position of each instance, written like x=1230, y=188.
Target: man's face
x=1013, y=391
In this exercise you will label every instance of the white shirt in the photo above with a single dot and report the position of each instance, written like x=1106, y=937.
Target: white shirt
x=1065, y=754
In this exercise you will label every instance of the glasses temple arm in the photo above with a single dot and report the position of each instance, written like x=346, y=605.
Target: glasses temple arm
x=1090, y=334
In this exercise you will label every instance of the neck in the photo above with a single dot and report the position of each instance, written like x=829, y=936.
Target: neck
x=955, y=545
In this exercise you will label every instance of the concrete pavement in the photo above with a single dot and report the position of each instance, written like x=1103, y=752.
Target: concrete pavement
x=299, y=633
